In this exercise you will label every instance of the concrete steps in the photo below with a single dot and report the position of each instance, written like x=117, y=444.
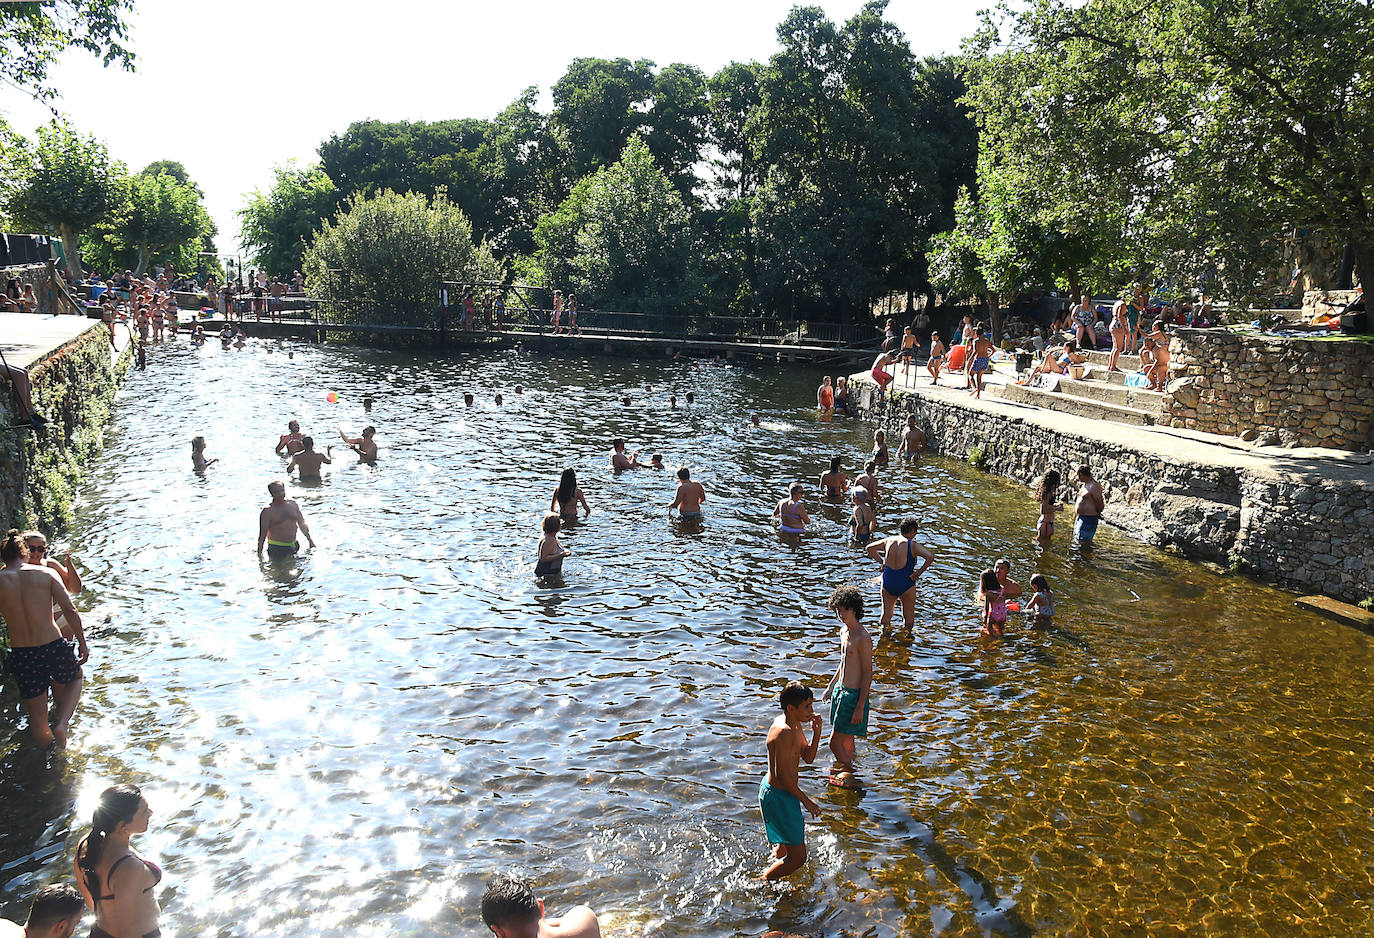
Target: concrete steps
x=1079, y=405
x=1125, y=362
x=1115, y=393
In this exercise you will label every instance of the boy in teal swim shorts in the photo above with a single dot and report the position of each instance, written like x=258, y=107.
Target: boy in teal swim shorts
x=780, y=796
x=854, y=677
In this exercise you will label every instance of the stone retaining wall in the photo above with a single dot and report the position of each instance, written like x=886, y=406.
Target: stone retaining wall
x=1295, y=392
x=75, y=388
x=1305, y=532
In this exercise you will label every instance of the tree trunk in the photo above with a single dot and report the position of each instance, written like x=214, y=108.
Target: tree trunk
x=910, y=303
x=1363, y=254
x=1075, y=286
x=928, y=290
x=70, y=247
x=1346, y=270
x=994, y=316
x=143, y=254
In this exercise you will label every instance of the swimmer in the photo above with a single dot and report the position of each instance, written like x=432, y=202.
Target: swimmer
x=689, y=496
x=1047, y=494
x=1042, y=603
x=519, y=389
x=198, y=461
x=833, y=481
x=625, y=400
x=1010, y=588
x=780, y=796
x=367, y=405
x=937, y=357
x=825, y=398
x=467, y=398
x=672, y=401
x=848, y=691
x=618, y=458
x=549, y=559
x=754, y=420
x=791, y=512
x=567, y=496
x=498, y=399
x=862, y=519
x=291, y=442
x=994, y=605
x=880, y=449
x=365, y=446
x=510, y=910
x=691, y=398
x=39, y=657
x=278, y=522
x=308, y=461
x=869, y=480
x=656, y=461
x=913, y=441
x=898, y=556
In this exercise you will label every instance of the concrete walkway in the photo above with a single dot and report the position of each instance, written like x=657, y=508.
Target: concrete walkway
x=28, y=338
x=1175, y=444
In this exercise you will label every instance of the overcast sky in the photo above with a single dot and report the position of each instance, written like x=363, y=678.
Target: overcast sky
x=232, y=89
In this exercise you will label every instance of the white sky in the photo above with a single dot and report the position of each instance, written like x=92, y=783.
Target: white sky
x=232, y=89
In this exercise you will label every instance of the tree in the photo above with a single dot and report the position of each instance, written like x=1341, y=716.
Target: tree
x=174, y=169
x=633, y=250
x=67, y=185
x=278, y=225
x=597, y=105
x=161, y=215
x=381, y=259
x=521, y=159
x=33, y=35
x=676, y=124
x=1201, y=127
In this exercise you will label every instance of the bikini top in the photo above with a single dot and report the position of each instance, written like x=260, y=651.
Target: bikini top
x=152, y=868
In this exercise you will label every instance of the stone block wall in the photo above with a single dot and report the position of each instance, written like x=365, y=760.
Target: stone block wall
x=1294, y=392
x=36, y=276
x=1302, y=530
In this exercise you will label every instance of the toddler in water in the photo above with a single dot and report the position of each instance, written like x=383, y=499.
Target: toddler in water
x=1042, y=602
x=1047, y=494
x=198, y=460
x=551, y=553
x=994, y=605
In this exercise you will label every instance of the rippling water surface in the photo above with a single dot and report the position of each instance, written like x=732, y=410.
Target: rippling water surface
x=354, y=742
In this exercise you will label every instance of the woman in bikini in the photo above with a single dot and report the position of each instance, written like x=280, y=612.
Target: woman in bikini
x=1047, y=494
x=567, y=496
x=115, y=881
x=834, y=481
x=1118, y=334
x=791, y=512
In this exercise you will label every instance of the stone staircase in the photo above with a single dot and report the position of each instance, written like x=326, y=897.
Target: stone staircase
x=1098, y=395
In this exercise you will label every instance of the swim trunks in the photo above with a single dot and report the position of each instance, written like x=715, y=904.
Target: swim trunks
x=1085, y=528
x=688, y=515
x=782, y=815
x=38, y=667
x=279, y=549
x=980, y=364
x=882, y=377
x=842, y=704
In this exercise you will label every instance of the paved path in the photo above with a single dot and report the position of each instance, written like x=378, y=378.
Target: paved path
x=28, y=338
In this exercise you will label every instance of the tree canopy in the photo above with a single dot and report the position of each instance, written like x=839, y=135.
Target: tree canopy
x=278, y=225
x=33, y=35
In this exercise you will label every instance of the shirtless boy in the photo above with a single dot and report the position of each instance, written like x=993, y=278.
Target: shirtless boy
x=291, y=442
x=869, y=480
x=907, y=353
x=39, y=657
x=913, y=441
x=689, y=497
x=780, y=796
x=848, y=691
x=308, y=461
x=278, y=522
x=982, y=362
x=510, y=910
x=937, y=357
x=365, y=446
x=898, y=556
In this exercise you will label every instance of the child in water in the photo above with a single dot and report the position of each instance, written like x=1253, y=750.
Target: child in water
x=791, y=512
x=1042, y=602
x=861, y=522
x=1047, y=494
x=849, y=690
x=994, y=605
x=551, y=553
x=198, y=460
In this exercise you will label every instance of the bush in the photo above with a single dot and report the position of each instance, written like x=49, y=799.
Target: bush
x=977, y=457
x=383, y=258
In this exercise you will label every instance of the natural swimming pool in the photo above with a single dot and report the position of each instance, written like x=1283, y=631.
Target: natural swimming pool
x=355, y=743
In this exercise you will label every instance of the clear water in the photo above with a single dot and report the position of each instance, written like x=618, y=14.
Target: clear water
x=354, y=743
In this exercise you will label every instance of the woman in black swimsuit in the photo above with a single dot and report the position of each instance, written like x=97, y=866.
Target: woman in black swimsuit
x=567, y=496
x=115, y=881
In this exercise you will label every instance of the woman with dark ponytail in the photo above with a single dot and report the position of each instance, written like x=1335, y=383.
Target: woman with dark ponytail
x=115, y=881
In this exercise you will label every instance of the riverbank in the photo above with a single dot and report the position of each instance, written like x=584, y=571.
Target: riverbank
x=1300, y=518
x=75, y=374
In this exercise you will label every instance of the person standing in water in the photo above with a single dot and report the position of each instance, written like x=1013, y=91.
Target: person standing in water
x=825, y=399
x=309, y=462
x=39, y=657
x=365, y=446
x=618, y=458
x=791, y=512
x=54, y=913
x=880, y=449
x=567, y=496
x=1091, y=504
x=548, y=560
x=833, y=481
x=689, y=496
x=115, y=881
x=848, y=691
x=780, y=796
x=869, y=481
x=278, y=522
x=913, y=441
x=37, y=543
x=1047, y=494
x=862, y=519
x=898, y=556
x=291, y=442
x=198, y=461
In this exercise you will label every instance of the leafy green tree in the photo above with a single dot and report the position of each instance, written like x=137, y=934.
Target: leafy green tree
x=597, y=105
x=176, y=170
x=277, y=225
x=736, y=97
x=381, y=259
x=67, y=184
x=522, y=159
x=675, y=126
x=33, y=35
x=633, y=250
x=555, y=236
x=161, y=215
x=1199, y=127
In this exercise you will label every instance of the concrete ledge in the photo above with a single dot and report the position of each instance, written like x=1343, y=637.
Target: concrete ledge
x=1082, y=404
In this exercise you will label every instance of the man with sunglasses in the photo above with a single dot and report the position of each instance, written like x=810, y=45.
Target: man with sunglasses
x=71, y=578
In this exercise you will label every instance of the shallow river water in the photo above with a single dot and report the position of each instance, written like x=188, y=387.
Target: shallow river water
x=353, y=743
